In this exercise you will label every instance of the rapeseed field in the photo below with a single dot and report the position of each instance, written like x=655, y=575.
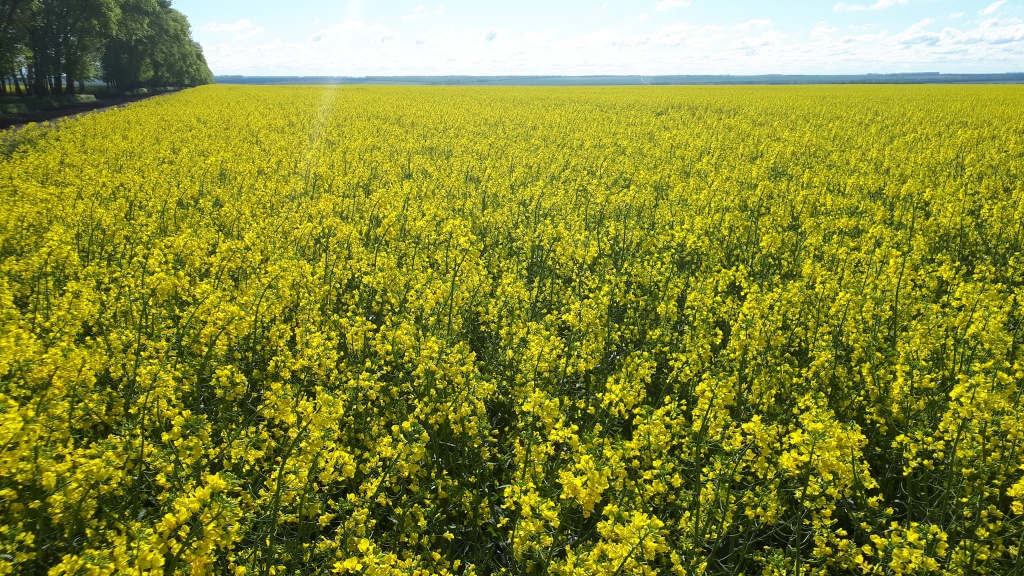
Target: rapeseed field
x=409, y=330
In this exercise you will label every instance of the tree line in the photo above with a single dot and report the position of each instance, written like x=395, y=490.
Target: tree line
x=51, y=47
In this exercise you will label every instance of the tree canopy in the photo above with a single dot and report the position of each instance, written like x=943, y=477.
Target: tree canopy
x=49, y=46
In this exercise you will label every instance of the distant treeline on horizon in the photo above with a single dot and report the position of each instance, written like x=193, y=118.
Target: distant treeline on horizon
x=634, y=80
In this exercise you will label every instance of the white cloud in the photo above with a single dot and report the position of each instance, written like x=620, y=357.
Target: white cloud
x=996, y=32
x=243, y=29
x=751, y=44
x=249, y=34
x=422, y=11
x=920, y=25
x=752, y=24
x=354, y=33
x=822, y=30
x=842, y=7
x=918, y=33
x=669, y=4
x=883, y=4
x=244, y=24
x=672, y=35
x=992, y=7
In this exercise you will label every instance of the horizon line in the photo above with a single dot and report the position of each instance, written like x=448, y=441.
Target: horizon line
x=632, y=79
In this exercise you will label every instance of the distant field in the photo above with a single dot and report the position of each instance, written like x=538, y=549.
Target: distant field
x=618, y=330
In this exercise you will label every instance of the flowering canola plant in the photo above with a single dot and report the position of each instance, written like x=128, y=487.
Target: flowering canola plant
x=409, y=330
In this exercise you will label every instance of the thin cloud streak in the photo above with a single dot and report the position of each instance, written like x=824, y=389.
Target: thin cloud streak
x=992, y=7
x=243, y=24
x=670, y=4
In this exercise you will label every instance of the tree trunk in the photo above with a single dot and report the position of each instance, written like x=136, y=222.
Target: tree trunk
x=38, y=79
x=81, y=86
x=68, y=63
x=17, y=87
x=58, y=87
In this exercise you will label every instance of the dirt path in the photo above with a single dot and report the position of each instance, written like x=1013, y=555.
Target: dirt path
x=22, y=118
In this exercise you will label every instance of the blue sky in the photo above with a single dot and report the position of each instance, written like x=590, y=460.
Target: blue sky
x=363, y=37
